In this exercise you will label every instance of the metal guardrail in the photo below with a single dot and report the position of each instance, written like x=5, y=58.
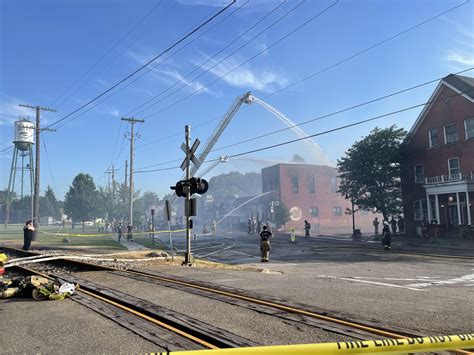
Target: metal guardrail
x=449, y=178
x=383, y=346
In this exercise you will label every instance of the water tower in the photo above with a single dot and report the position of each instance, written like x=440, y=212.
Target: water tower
x=22, y=161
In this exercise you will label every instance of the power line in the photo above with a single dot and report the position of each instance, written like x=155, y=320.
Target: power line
x=144, y=65
x=49, y=164
x=314, y=17
x=313, y=74
x=367, y=49
x=323, y=116
x=155, y=66
x=323, y=132
x=104, y=55
x=219, y=52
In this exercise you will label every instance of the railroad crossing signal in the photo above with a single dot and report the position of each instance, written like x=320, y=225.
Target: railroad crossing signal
x=192, y=157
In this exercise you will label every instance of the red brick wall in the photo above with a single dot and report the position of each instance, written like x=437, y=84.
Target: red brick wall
x=323, y=198
x=435, y=160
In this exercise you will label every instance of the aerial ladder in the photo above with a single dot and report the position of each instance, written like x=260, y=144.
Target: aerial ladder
x=214, y=137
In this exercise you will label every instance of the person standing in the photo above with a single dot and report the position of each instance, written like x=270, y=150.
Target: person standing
x=376, y=225
x=119, y=232
x=28, y=234
x=307, y=228
x=386, y=237
x=265, y=236
x=129, y=233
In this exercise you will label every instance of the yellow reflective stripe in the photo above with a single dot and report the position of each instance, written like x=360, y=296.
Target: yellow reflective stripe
x=383, y=346
x=111, y=234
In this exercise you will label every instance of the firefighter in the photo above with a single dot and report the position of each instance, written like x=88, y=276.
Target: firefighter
x=129, y=233
x=386, y=237
x=307, y=228
x=28, y=234
x=119, y=232
x=265, y=236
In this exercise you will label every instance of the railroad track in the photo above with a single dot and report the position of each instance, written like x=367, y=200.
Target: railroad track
x=169, y=330
x=266, y=305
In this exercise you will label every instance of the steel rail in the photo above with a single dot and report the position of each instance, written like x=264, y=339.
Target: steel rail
x=282, y=307
x=130, y=310
x=285, y=308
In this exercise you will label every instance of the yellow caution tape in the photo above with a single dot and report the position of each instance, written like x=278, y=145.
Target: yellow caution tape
x=112, y=234
x=383, y=346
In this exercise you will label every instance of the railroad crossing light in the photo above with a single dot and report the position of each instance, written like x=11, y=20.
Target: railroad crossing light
x=179, y=189
x=198, y=185
x=195, y=185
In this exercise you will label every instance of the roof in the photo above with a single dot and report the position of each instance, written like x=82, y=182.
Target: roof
x=462, y=85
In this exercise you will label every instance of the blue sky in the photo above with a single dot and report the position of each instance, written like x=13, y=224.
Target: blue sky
x=50, y=52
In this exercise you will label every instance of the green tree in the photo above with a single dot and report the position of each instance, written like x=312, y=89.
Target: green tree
x=370, y=171
x=281, y=214
x=49, y=204
x=81, y=201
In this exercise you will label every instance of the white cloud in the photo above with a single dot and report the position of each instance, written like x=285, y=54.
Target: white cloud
x=11, y=112
x=463, y=54
x=264, y=80
x=460, y=59
x=194, y=85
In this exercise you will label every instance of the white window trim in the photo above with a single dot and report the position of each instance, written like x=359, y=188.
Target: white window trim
x=429, y=137
x=449, y=167
x=423, y=168
x=444, y=132
x=465, y=127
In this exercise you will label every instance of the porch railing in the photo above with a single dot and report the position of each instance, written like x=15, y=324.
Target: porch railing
x=449, y=178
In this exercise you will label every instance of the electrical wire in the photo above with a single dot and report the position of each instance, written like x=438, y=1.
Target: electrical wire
x=183, y=79
x=152, y=68
x=312, y=18
x=320, y=71
x=144, y=65
x=324, y=132
x=49, y=165
x=103, y=56
x=323, y=116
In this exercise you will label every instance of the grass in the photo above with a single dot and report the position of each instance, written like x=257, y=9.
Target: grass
x=48, y=237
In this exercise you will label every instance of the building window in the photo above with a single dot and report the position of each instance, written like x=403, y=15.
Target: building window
x=451, y=133
x=419, y=174
x=453, y=165
x=314, y=212
x=337, y=211
x=469, y=127
x=420, y=210
x=294, y=184
x=334, y=184
x=311, y=187
x=433, y=136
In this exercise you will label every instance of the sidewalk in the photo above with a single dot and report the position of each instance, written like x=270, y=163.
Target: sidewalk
x=129, y=245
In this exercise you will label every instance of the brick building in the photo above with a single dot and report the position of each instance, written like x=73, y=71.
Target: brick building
x=310, y=192
x=438, y=164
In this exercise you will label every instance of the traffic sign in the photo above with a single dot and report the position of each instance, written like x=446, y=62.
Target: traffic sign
x=192, y=157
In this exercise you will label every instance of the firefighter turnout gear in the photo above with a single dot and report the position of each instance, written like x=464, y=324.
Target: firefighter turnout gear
x=265, y=236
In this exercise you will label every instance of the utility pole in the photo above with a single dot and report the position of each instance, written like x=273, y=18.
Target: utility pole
x=38, y=130
x=187, y=256
x=113, y=183
x=131, y=137
x=125, y=190
x=111, y=172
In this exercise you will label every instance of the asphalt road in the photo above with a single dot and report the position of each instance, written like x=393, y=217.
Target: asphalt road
x=398, y=289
